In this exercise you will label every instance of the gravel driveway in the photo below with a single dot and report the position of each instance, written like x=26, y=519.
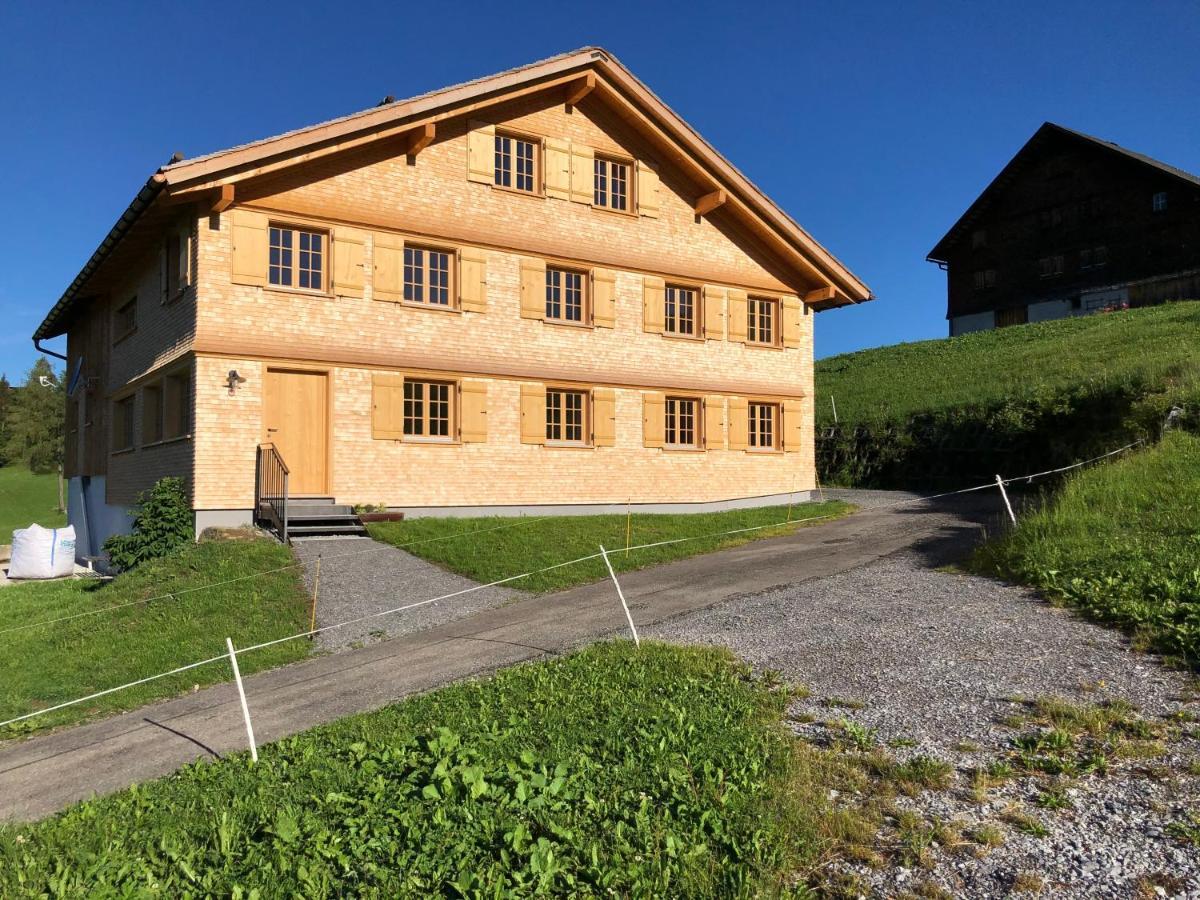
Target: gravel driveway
x=361, y=576
x=932, y=661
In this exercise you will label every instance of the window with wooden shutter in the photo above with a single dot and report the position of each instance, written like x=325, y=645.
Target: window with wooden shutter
x=349, y=261
x=653, y=419
x=714, y=423
x=610, y=184
x=737, y=423
x=604, y=417
x=125, y=319
x=737, y=314
x=472, y=281
x=427, y=276
x=481, y=164
x=582, y=173
x=296, y=257
x=429, y=410
x=387, y=407
x=793, y=425
x=714, y=312
x=567, y=413
x=762, y=321
x=533, y=288
x=763, y=426
x=793, y=316
x=176, y=261
x=533, y=413
x=681, y=423
x=249, y=247
x=388, y=275
x=604, y=298
x=558, y=168
x=516, y=163
x=473, y=412
x=648, y=202
x=566, y=296
x=680, y=316
x=653, y=303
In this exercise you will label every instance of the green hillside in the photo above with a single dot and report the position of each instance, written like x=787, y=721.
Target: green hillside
x=26, y=498
x=947, y=413
x=1143, y=346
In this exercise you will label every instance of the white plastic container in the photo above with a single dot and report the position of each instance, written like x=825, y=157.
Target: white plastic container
x=39, y=552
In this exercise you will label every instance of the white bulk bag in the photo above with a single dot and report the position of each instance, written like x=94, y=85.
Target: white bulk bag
x=39, y=552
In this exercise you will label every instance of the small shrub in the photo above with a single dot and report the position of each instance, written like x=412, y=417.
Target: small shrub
x=162, y=524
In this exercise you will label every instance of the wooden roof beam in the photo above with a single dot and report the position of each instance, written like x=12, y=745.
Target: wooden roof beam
x=580, y=89
x=420, y=138
x=222, y=199
x=711, y=201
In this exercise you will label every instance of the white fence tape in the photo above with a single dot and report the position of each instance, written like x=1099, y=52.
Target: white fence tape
x=502, y=581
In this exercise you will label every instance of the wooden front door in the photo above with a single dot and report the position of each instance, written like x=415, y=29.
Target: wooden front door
x=296, y=421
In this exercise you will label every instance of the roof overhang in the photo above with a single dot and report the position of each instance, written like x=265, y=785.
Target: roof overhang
x=213, y=179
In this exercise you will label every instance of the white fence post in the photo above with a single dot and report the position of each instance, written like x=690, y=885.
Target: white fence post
x=237, y=676
x=1004, y=494
x=621, y=594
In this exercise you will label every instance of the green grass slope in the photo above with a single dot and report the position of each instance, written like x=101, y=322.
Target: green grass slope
x=26, y=498
x=664, y=772
x=1143, y=346
x=46, y=665
x=1121, y=543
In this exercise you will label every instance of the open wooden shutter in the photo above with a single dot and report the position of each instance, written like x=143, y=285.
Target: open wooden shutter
x=583, y=173
x=249, y=247
x=648, y=200
x=714, y=312
x=714, y=423
x=388, y=255
x=739, y=423
x=793, y=313
x=472, y=279
x=737, y=315
x=481, y=152
x=604, y=298
x=604, y=417
x=793, y=425
x=533, y=288
x=653, y=303
x=557, y=166
x=533, y=414
x=387, y=407
x=349, y=259
x=472, y=412
x=654, y=415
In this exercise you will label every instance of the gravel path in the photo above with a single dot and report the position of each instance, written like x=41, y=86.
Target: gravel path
x=360, y=576
x=936, y=660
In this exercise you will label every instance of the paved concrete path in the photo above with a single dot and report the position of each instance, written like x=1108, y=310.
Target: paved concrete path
x=360, y=576
x=43, y=774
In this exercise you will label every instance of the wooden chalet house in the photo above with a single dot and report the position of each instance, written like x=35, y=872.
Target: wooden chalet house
x=538, y=291
x=1072, y=225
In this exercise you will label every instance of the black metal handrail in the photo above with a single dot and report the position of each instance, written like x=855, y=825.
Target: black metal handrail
x=271, y=490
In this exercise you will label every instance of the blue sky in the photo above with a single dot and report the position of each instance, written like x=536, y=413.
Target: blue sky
x=873, y=124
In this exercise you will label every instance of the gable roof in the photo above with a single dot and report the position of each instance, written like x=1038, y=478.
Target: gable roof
x=1047, y=133
x=202, y=176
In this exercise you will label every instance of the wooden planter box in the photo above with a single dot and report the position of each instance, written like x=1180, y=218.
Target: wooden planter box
x=380, y=517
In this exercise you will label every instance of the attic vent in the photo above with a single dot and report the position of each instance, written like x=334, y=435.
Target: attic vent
x=390, y=98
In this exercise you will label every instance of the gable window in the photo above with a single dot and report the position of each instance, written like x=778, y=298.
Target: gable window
x=428, y=409
x=762, y=320
x=979, y=237
x=516, y=163
x=125, y=319
x=1158, y=203
x=427, y=276
x=763, y=431
x=679, y=313
x=122, y=423
x=297, y=258
x=680, y=425
x=1049, y=266
x=985, y=278
x=565, y=299
x=566, y=416
x=611, y=184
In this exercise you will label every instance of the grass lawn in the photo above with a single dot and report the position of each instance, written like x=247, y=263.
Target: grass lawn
x=26, y=498
x=1121, y=543
x=659, y=773
x=505, y=546
x=44, y=666
x=1148, y=346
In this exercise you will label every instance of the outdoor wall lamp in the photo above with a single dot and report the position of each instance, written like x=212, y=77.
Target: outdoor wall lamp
x=233, y=379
